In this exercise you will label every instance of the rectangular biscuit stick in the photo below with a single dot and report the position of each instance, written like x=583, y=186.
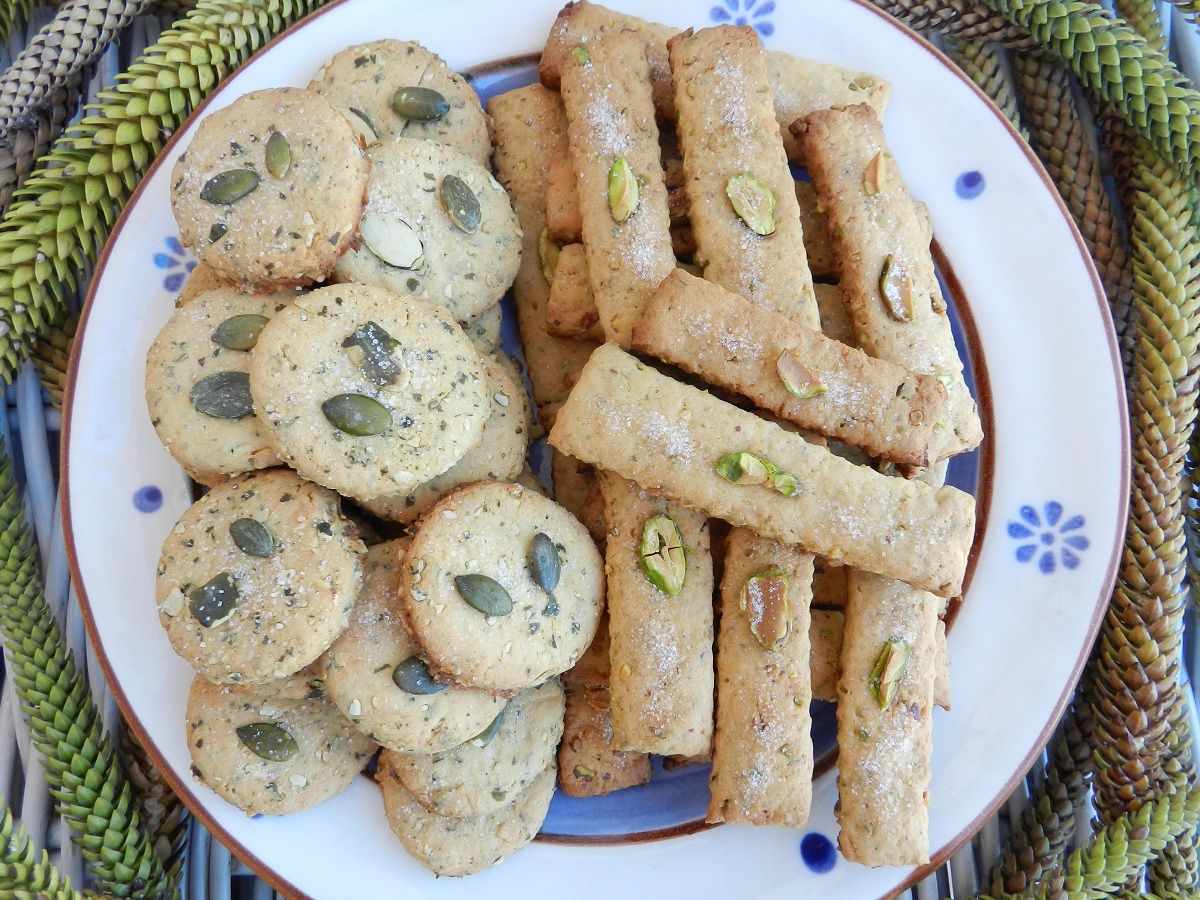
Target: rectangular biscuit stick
x=588, y=764
x=660, y=650
x=733, y=154
x=606, y=93
x=625, y=417
x=531, y=130
x=562, y=201
x=571, y=309
x=860, y=187
x=762, y=750
x=835, y=390
x=799, y=85
x=825, y=639
x=884, y=758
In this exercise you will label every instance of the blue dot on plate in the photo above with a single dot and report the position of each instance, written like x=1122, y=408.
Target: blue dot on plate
x=818, y=852
x=969, y=185
x=147, y=499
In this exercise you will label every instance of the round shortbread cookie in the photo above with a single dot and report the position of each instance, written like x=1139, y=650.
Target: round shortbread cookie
x=270, y=190
x=471, y=552
x=499, y=456
x=410, y=244
x=463, y=846
x=203, y=417
x=482, y=775
x=362, y=81
x=359, y=673
x=272, y=748
x=368, y=392
x=257, y=578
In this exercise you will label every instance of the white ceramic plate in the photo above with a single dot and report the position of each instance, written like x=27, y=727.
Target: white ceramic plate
x=1051, y=482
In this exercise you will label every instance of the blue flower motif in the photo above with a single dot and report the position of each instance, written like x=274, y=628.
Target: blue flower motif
x=147, y=499
x=736, y=11
x=970, y=185
x=1047, y=537
x=177, y=262
x=818, y=852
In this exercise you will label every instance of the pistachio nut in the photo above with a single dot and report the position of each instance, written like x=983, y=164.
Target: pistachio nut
x=888, y=671
x=753, y=201
x=663, y=558
x=796, y=377
x=548, y=253
x=765, y=602
x=484, y=594
x=229, y=186
x=267, y=740
x=622, y=190
x=875, y=175
x=743, y=468
x=895, y=286
x=581, y=56
x=785, y=483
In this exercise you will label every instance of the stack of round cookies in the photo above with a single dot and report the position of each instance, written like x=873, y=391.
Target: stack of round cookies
x=332, y=374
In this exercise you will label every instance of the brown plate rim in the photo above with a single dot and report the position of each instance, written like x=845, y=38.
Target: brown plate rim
x=279, y=882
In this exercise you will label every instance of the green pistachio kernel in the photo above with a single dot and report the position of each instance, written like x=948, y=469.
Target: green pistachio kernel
x=663, y=558
x=622, y=190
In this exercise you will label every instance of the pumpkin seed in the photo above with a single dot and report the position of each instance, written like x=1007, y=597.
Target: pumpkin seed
x=896, y=289
x=485, y=594
x=622, y=190
x=229, y=187
x=279, y=155
x=548, y=252
x=252, y=537
x=488, y=734
x=377, y=346
x=392, y=240
x=412, y=676
x=664, y=560
x=888, y=671
x=753, y=201
x=421, y=104
x=743, y=468
x=366, y=120
x=544, y=563
x=462, y=206
x=796, y=377
x=239, y=332
x=765, y=602
x=223, y=395
x=357, y=414
x=214, y=601
x=267, y=740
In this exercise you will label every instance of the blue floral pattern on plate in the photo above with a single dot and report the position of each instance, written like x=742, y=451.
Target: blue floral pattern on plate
x=970, y=185
x=745, y=12
x=1046, y=537
x=818, y=852
x=177, y=262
